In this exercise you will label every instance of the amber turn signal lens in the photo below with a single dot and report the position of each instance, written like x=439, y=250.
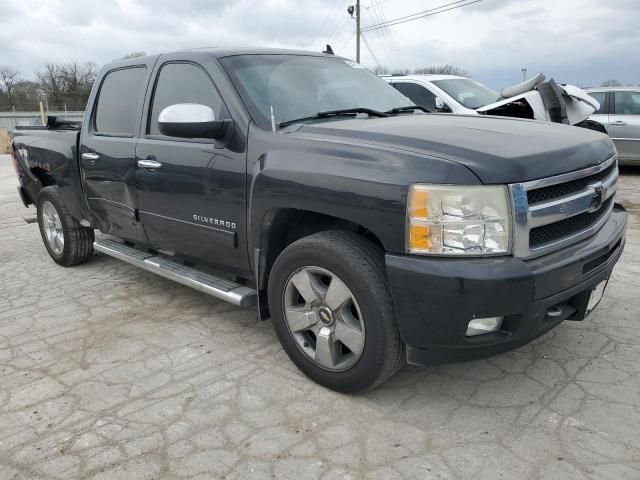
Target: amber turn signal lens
x=418, y=203
x=418, y=237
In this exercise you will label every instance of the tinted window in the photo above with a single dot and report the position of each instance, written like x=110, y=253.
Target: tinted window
x=417, y=94
x=627, y=103
x=117, y=107
x=182, y=83
x=600, y=97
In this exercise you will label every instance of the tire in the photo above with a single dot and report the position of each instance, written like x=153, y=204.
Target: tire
x=77, y=244
x=359, y=265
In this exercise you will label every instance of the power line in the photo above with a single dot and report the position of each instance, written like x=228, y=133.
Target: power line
x=389, y=31
x=388, y=35
x=323, y=24
x=333, y=24
x=344, y=45
x=417, y=15
x=366, y=44
x=382, y=34
x=423, y=14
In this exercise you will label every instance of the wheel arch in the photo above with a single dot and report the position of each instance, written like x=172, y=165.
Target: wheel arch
x=283, y=226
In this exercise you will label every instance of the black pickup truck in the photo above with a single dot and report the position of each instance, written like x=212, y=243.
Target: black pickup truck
x=371, y=232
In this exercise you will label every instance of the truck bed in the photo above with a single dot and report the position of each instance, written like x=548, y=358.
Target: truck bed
x=47, y=156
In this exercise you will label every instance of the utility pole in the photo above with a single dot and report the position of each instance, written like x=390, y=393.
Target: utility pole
x=358, y=31
x=355, y=10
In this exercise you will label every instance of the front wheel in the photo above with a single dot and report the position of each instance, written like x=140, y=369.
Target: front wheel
x=67, y=242
x=333, y=313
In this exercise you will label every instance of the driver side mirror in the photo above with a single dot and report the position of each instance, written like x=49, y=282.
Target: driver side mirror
x=191, y=120
x=441, y=106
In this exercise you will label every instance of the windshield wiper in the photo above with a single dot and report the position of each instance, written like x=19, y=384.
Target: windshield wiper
x=336, y=113
x=409, y=108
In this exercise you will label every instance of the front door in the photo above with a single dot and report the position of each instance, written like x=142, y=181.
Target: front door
x=624, y=124
x=602, y=114
x=191, y=192
x=107, y=153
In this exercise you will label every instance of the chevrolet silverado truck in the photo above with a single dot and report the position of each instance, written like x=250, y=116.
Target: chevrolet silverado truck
x=370, y=232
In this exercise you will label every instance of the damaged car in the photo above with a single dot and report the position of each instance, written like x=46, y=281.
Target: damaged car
x=535, y=99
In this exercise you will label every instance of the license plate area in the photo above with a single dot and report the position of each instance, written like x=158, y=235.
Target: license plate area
x=595, y=296
x=586, y=302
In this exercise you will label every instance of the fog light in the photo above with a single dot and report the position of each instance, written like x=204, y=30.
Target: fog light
x=480, y=326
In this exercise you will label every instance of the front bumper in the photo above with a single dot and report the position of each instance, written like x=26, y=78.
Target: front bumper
x=435, y=298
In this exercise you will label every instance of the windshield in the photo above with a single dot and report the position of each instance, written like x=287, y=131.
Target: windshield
x=468, y=92
x=298, y=86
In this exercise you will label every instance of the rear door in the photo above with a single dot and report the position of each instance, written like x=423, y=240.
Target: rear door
x=107, y=150
x=624, y=124
x=192, y=202
x=602, y=114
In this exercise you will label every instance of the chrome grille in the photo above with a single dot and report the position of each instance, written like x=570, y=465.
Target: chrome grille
x=560, y=189
x=553, y=212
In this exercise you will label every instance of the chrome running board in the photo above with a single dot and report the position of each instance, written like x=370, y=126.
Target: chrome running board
x=215, y=286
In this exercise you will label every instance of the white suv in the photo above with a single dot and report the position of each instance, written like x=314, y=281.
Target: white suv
x=444, y=93
x=533, y=99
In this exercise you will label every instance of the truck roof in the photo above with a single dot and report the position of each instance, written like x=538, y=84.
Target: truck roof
x=219, y=52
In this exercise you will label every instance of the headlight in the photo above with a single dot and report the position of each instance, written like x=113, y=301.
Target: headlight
x=458, y=220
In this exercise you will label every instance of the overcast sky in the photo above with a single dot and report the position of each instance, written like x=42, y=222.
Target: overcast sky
x=583, y=42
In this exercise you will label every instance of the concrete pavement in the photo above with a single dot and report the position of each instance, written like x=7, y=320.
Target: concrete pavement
x=110, y=372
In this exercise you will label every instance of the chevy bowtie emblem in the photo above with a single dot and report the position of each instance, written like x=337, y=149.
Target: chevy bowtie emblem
x=597, y=197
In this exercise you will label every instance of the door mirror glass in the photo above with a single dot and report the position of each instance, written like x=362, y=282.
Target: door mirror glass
x=191, y=120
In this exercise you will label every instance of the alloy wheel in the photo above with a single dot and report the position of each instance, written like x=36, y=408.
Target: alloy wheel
x=52, y=227
x=324, y=318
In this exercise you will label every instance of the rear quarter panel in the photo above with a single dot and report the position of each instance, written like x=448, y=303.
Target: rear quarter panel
x=49, y=157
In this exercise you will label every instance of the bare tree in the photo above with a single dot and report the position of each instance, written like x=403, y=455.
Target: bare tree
x=380, y=70
x=78, y=79
x=443, y=70
x=26, y=93
x=611, y=83
x=8, y=80
x=68, y=84
x=51, y=82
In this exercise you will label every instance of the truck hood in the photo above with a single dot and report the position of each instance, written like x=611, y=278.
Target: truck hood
x=496, y=149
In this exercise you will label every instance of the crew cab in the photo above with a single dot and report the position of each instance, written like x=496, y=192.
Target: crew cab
x=370, y=232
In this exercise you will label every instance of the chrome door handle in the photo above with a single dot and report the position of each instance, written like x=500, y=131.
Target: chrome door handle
x=149, y=164
x=619, y=123
x=90, y=156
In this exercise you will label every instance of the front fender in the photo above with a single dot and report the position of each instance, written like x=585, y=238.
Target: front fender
x=363, y=184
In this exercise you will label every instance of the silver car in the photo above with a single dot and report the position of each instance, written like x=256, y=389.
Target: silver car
x=620, y=114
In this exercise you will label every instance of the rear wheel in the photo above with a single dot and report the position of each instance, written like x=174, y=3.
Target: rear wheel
x=67, y=242
x=333, y=313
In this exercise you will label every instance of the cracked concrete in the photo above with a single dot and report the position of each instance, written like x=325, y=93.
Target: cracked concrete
x=109, y=372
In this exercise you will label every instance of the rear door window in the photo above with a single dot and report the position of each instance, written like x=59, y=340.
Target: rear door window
x=600, y=97
x=627, y=103
x=117, y=107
